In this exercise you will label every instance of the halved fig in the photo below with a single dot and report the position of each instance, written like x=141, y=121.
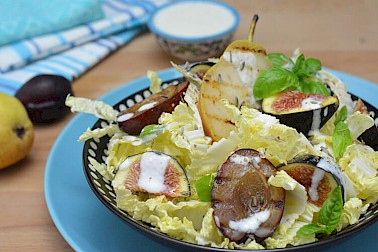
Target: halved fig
x=148, y=111
x=200, y=68
x=370, y=136
x=317, y=174
x=245, y=205
x=154, y=173
x=304, y=112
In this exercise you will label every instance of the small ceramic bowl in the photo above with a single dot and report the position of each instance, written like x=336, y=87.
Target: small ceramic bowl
x=194, y=30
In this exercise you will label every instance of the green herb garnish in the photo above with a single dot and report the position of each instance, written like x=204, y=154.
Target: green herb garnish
x=329, y=216
x=151, y=130
x=341, y=137
x=273, y=81
x=203, y=187
x=281, y=60
x=287, y=75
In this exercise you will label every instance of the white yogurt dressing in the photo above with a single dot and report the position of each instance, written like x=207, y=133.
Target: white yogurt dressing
x=256, y=162
x=316, y=121
x=239, y=159
x=146, y=106
x=315, y=180
x=268, y=120
x=125, y=164
x=194, y=19
x=251, y=223
x=152, y=170
x=311, y=103
x=125, y=117
x=243, y=160
x=331, y=167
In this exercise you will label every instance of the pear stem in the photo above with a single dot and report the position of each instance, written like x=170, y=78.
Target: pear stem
x=252, y=27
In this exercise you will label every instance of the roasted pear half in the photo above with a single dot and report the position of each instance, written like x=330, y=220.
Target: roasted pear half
x=319, y=175
x=245, y=205
x=231, y=78
x=304, y=112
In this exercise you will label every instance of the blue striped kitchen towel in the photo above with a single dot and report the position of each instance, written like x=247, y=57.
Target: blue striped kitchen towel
x=70, y=53
x=24, y=19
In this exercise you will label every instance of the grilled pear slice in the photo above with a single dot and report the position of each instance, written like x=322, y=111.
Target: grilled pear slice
x=231, y=78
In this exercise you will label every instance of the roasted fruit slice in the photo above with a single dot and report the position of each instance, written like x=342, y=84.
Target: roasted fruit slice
x=200, y=68
x=153, y=173
x=318, y=175
x=370, y=136
x=232, y=78
x=245, y=205
x=304, y=112
x=148, y=111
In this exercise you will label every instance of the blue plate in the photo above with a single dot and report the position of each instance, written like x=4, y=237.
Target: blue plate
x=87, y=225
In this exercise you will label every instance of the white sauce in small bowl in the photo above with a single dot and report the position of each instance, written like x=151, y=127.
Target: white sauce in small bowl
x=194, y=20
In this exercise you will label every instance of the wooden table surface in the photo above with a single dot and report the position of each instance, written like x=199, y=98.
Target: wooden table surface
x=343, y=34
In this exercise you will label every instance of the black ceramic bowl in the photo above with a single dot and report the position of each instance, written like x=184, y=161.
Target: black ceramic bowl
x=102, y=188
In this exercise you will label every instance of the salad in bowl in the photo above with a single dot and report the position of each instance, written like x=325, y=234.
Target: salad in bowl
x=248, y=151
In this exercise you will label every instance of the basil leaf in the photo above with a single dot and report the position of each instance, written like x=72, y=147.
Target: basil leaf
x=151, y=130
x=203, y=187
x=341, y=139
x=306, y=68
x=299, y=64
x=330, y=213
x=313, y=87
x=281, y=60
x=313, y=65
x=341, y=115
x=310, y=229
x=274, y=80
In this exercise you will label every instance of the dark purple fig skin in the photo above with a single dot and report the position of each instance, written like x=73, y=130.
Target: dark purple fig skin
x=44, y=97
x=370, y=137
x=166, y=100
x=241, y=190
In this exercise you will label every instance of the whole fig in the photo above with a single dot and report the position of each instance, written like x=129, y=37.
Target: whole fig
x=44, y=97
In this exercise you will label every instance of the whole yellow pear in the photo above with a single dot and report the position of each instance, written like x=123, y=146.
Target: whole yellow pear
x=16, y=131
